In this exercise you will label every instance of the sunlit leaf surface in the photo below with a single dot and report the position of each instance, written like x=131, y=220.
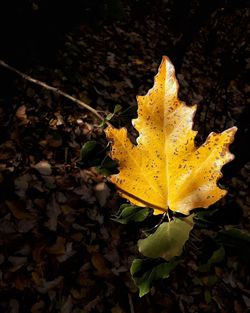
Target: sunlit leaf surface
x=168, y=240
x=165, y=169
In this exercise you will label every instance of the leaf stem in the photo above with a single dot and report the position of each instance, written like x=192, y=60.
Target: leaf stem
x=187, y=221
x=169, y=219
x=158, y=224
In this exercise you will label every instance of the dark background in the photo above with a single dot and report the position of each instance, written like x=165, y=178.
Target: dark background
x=105, y=53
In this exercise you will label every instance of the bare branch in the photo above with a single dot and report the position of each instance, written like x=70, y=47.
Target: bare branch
x=53, y=89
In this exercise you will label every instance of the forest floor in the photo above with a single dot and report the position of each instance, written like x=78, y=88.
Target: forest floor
x=59, y=249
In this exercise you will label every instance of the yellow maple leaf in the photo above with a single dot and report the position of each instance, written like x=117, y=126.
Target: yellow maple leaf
x=165, y=169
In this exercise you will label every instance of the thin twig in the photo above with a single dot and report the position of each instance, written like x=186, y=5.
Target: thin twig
x=158, y=224
x=131, y=306
x=53, y=89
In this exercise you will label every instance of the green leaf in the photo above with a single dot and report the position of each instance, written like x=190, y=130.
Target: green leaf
x=128, y=213
x=236, y=241
x=206, y=216
x=117, y=108
x=90, y=154
x=145, y=272
x=236, y=234
x=168, y=240
x=217, y=257
x=109, y=116
x=88, y=149
x=107, y=167
x=103, y=123
x=197, y=281
x=210, y=280
x=207, y=296
x=94, y=154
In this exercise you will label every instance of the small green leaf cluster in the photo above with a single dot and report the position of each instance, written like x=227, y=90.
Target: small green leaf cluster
x=93, y=154
x=109, y=116
x=146, y=272
x=160, y=250
x=128, y=213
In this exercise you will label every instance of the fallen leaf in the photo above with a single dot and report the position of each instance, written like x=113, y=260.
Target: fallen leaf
x=17, y=209
x=17, y=262
x=102, y=193
x=60, y=197
x=7, y=150
x=54, y=140
x=53, y=210
x=38, y=253
x=7, y=227
x=78, y=294
x=77, y=236
x=21, y=115
x=91, y=305
x=44, y=168
x=22, y=282
x=67, y=306
x=38, y=307
x=117, y=309
x=69, y=252
x=59, y=247
x=100, y=264
x=48, y=285
x=25, y=225
x=22, y=184
x=165, y=169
